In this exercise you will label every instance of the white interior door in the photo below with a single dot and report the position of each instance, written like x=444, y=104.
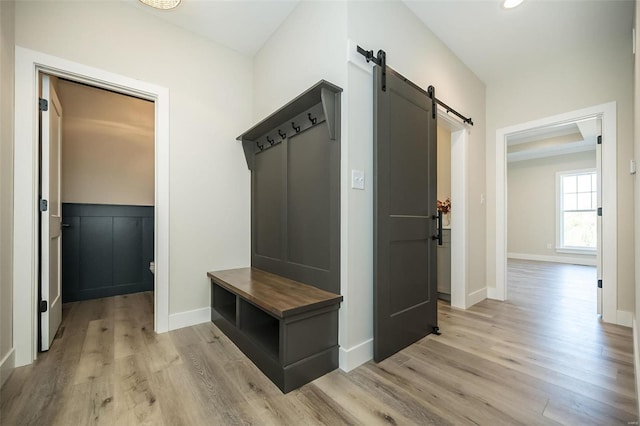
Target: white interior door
x=599, y=217
x=50, y=216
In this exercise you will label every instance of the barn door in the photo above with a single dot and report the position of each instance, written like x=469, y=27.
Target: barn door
x=405, y=275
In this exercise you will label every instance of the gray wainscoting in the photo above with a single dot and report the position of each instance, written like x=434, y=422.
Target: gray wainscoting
x=106, y=250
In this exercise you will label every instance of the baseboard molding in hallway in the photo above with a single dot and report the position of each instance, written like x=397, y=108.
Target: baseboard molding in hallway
x=7, y=365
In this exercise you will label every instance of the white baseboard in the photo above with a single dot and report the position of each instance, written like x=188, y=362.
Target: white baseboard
x=189, y=318
x=356, y=356
x=7, y=365
x=636, y=360
x=587, y=261
x=476, y=296
x=492, y=293
x=624, y=318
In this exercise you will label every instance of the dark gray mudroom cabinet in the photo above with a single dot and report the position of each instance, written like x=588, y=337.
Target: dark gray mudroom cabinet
x=282, y=312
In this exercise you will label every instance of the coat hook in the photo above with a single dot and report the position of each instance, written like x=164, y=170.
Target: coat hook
x=297, y=129
x=313, y=120
x=260, y=146
x=282, y=134
x=271, y=141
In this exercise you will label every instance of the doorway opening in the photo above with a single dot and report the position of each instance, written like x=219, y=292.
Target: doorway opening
x=554, y=236
x=444, y=205
x=452, y=171
x=97, y=180
x=606, y=113
x=26, y=258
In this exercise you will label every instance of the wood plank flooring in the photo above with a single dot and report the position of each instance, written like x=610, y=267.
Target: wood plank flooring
x=541, y=358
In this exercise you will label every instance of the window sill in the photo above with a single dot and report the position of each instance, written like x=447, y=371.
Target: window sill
x=586, y=252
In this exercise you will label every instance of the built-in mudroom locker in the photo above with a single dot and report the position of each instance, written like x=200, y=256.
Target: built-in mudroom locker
x=282, y=312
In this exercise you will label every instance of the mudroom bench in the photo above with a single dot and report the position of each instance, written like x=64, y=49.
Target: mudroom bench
x=287, y=328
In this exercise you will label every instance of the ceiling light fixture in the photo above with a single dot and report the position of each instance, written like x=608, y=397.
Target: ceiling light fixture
x=509, y=4
x=161, y=4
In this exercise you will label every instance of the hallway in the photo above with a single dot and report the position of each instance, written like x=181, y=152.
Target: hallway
x=526, y=361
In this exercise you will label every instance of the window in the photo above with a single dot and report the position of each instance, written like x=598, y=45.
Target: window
x=577, y=206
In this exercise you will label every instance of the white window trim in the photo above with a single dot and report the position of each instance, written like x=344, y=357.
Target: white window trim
x=559, y=247
x=577, y=250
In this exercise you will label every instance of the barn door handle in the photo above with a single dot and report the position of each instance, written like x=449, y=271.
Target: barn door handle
x=439, y=236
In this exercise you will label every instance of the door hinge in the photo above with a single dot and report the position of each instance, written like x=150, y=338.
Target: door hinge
x=44, y=104
x=599, y=211
x=599, y=283
x=43, y=306
x=600, y=140
x=44, y=205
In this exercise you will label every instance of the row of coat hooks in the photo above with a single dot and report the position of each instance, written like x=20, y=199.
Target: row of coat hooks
x=283, y=135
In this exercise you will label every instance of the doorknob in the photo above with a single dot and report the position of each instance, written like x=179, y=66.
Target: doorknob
x=65, y=225
x=439, y=235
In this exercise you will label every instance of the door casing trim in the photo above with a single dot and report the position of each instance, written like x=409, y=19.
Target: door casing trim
x=460, y=297
x=28, y=63
x=607, y=112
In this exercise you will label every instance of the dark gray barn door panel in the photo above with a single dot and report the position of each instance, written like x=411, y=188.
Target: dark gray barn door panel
x=405, y=274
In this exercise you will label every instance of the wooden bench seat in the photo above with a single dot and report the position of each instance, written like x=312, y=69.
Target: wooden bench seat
x=277, y=295
x=287, y=328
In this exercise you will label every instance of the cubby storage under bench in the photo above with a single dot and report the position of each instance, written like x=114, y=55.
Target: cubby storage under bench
x=288, y=329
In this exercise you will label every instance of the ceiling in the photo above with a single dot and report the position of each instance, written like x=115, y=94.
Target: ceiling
x=551, y=141
x=491, y=41
x=243, y=26
x=495, y=42
x=112, y=113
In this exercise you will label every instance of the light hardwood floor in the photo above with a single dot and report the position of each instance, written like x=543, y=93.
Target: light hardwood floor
x=541, y=358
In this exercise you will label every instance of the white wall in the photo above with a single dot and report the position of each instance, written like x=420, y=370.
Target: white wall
x=307, y=47
x=6, y=186
x=210, y=104
x=531, y=211
x=107, y=147
x=318, y=33
x=591, y=76
x=444, y=163
x=636, y=145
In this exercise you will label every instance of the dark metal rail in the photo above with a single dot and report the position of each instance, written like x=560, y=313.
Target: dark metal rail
x=381, y=60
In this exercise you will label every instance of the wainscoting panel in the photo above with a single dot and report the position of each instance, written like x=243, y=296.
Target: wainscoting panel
x=106, y=250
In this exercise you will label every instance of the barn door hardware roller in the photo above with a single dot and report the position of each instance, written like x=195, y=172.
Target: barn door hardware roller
x=432, y=94
x=380, y=60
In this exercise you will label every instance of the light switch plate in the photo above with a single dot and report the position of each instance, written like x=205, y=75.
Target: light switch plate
x=357, y=179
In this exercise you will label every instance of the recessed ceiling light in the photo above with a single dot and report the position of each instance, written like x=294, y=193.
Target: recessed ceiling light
x=510, y=4
x=163, y=4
